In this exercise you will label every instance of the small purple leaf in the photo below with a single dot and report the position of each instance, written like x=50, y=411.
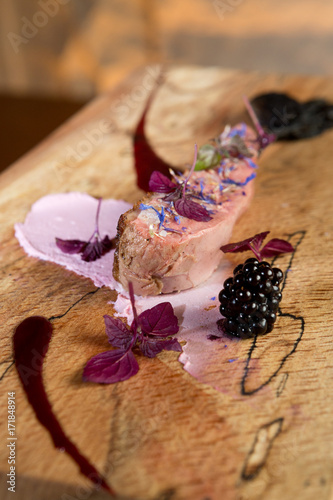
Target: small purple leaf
x=254, y=243
x=192, y=210
x=152, y=347
x=97, y=249
x=159, y=183
x=110, y=367
x=275, y=247
x=159, y=320
x=70, y=246
x=118, y=333
x=174, y=195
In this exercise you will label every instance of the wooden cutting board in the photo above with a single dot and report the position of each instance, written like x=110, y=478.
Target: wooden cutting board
x=164, y=435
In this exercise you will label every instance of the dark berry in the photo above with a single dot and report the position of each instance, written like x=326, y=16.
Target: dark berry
x=249, y=307
x=266, y=273
x=252, y=259
x=250, y=299
x=224, y=294
x=231, y=325
x=273, y=304
x=243, y=295
x=253, y=279
x=250, y=267
x=228, y=283
x=260, y=298
x=239, y=279
x=260, y=327
x=271, y=317
x=263, y=309
x=278, y=275
x=238, y=268
x=244, y=331
x=265, y=287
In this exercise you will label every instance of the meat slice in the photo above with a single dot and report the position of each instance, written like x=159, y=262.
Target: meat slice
x=160, y=251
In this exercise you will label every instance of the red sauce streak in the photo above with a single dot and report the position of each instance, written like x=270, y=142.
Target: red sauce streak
x=146, y=160
x=31, y=341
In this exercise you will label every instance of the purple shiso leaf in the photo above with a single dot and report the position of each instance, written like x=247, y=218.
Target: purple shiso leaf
x=272, y=248
x=159, y=183
x=159, y=320
x=254, y=243
x=118, y=333
x=70, y=246
x=275, y=247
x=192, y=210
x=110, y=367
x=151, y=347
x=96, y=249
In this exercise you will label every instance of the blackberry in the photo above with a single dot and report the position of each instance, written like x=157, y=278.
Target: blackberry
x=250, y=299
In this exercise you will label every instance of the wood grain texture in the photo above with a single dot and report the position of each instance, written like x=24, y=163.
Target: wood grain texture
x=162, y=435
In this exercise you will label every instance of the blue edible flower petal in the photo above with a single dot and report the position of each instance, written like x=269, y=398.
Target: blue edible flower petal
x=236, y=183
x=161, y=215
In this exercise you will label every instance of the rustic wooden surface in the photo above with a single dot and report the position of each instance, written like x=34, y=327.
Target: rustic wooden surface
x=162, y=434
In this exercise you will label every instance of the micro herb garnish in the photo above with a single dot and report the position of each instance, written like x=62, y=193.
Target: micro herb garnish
x=150, y=331
x=272, y=248
x=208, y=157
x=229, y=145
x=92, y=249
x=176, y=193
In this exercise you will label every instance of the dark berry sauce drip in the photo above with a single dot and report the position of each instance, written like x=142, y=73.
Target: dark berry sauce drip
x=146, y=160
x=250, y=299
x=31, y=342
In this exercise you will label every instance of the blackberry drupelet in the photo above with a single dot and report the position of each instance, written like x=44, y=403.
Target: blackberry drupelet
x=250, y=299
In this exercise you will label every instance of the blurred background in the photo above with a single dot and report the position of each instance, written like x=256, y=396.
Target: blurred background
x=58, y=54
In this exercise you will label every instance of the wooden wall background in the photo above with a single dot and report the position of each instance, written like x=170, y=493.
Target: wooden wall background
x=89, y=45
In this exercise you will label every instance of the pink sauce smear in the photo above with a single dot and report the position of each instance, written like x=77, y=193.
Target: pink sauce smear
x=72, y=216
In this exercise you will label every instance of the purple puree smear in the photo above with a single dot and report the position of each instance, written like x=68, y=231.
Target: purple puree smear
x=145, y=159
x=33, y=336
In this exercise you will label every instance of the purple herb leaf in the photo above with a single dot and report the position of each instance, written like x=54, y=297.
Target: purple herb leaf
x=174, y=195
x=70, y=246
x=275, y=247
x=96, y=249
x=272, y=248
x=192, y=210
x=118, y=333
x=254, y=243
x=159, y=183
x=110, y=367
x=159, y=320
x=152, y=347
